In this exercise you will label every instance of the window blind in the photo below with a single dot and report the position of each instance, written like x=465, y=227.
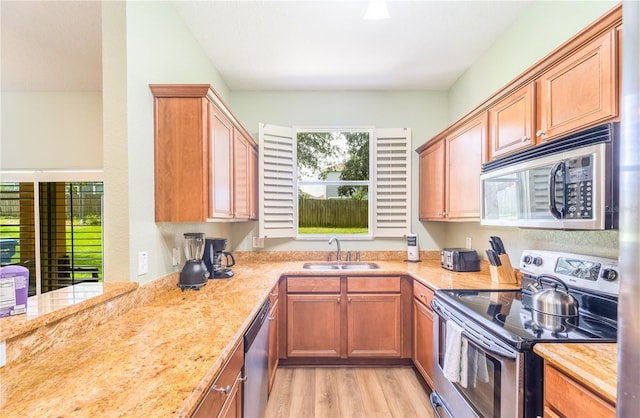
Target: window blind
x=278, y=185
x=392, y=182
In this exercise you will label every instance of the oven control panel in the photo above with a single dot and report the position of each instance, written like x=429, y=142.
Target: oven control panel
x=579, y=271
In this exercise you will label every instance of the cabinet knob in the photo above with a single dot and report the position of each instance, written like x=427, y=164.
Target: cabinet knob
x=524, y=139
x=422, y=295
x=338, y=300
x=540, y=133
x=226, y=390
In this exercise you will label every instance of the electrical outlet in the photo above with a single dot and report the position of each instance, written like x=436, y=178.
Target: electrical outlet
x=258, y=242
x=175, y=257
x=468, y=244
x=3, y=353
x=143, y=262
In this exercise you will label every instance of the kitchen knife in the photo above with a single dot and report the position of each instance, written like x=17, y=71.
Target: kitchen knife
x=499, y=244
x=494, y=247
x=494, y=260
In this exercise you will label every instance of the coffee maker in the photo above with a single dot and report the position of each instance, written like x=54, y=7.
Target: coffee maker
x=217, y=260
x=194, y=274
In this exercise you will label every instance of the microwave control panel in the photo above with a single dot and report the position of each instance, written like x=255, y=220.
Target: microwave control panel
x=579, y=188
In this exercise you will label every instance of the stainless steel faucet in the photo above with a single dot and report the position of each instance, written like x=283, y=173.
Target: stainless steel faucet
x=339, y=253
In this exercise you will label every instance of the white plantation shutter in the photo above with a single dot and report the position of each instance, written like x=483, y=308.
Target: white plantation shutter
x=391, y=182
x=278, y=183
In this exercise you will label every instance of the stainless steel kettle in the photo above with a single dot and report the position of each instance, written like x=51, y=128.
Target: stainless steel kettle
x=551, y=301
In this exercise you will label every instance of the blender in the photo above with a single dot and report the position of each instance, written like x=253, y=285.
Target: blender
x=194, y=274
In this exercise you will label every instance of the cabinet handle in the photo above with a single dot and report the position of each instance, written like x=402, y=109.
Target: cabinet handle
x=226, y=390
x=242, y=379
x=349, y=300
x=540, y=133
x=524, y=139
x=338, y=300
x=273, y=295
x=271, y=318
x=422, y=295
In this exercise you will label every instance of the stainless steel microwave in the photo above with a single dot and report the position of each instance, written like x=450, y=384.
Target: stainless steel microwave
x=568, y=183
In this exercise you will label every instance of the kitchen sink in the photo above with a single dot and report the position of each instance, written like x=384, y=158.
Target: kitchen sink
x=340, y=266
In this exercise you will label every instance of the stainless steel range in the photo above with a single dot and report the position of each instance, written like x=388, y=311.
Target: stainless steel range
x=485, y=365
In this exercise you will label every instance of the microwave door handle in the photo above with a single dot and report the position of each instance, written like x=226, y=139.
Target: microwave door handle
x=553, y=209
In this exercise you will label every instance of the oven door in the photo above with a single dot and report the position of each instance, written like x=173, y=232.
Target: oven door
x=494, y=383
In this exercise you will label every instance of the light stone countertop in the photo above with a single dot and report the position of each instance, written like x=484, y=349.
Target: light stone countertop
x=159, y=357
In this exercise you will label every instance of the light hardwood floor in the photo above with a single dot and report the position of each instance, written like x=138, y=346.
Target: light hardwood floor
x=304, y=392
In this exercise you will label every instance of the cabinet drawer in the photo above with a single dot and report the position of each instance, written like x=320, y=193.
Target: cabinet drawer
x=313, y=284
x=422, y=293
x=215, y=398
x=373, y=284
x=568, y=398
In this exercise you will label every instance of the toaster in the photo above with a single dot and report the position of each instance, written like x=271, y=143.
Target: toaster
x=459, y=259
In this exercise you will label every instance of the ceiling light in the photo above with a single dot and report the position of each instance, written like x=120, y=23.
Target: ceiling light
x=377, y=10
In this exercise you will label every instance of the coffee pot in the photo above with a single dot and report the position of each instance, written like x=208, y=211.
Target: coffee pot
x=217, y=260
x=194, y=274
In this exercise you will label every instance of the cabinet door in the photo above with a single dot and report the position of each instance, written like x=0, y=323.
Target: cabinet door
x=432, y=176
x=464, y=157
x=565, y=397
x=241, y=176
x=511, y=123
x=273, y=355
x=181, y=159
x=373, y=328
x=423, y=340
x=580, y=91
x=221, y=204
x=224, y=398
x=313, y=325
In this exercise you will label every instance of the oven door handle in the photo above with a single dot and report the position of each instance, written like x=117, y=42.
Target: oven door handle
x=492, y=347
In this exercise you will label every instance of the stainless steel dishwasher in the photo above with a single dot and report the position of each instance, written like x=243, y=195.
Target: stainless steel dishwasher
x=256, y=346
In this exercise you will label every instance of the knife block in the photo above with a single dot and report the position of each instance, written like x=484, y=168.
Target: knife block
x=503, y=273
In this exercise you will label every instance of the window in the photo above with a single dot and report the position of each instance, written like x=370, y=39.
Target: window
x=53, y=228
x=333, y=182
x=294, y=173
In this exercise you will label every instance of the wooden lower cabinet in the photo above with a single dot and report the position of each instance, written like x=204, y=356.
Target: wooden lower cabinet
x=567, y=398
x=224, y=398
x=373, y=325
x=423, y=332
x=313, y=325
x=347, y=318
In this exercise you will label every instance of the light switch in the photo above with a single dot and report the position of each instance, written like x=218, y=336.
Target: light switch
x=143, y=262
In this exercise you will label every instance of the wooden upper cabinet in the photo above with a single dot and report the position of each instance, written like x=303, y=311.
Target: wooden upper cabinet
x=431, y=177
x=464, y=152
x=581, y=90
x=195, y=157
x=222, y=137
x=511, y=122
x=181, y=157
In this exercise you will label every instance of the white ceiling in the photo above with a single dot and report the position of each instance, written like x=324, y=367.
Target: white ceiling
x=268, y=45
